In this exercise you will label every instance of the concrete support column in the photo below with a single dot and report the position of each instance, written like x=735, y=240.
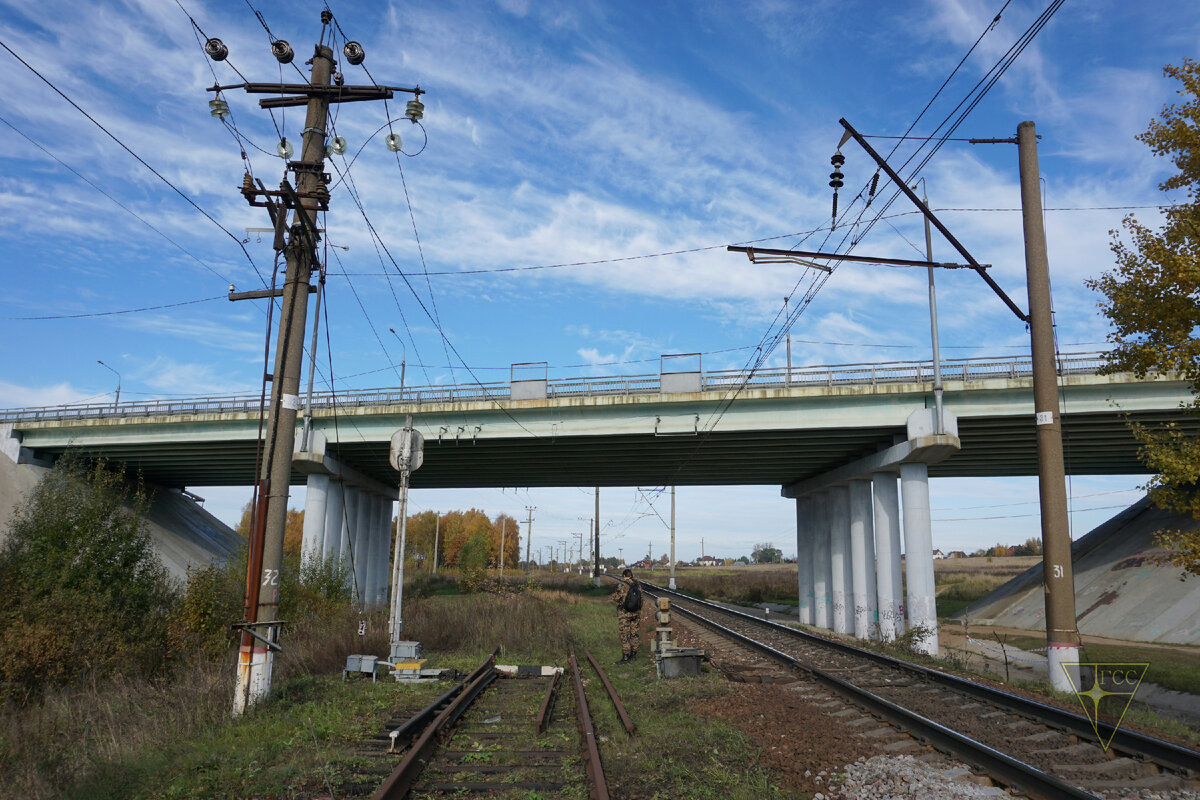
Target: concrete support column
x=842, y=581
x=822, y=607
x=362, y=541
x=334, y=511
x=370, y=584
x=315, y=502
x=385, y=552
x=918, y=553
x=862, y=558
x=349, y=546
x=379, y=555
x=887, y=555
x=804, y=558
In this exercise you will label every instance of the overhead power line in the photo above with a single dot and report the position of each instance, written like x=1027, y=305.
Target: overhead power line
x=139, y=159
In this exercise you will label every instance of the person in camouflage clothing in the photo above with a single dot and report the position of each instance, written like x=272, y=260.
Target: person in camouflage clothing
x=628, y=622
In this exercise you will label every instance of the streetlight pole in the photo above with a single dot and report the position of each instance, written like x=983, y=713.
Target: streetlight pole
x=788, y=380
x=403, y=361
x=117, y=401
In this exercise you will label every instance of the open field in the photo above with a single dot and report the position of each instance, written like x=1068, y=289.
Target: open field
x=960, y=581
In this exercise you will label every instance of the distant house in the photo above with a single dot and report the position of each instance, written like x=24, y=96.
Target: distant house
x=644, y=564
x=708, y=561
x=938, y=554
x=956, y=554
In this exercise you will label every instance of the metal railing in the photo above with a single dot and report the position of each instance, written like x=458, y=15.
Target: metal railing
x=892, y=372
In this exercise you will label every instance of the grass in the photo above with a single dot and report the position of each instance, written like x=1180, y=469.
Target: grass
x=171, y=740
x=1177, y=669
x=670, y=755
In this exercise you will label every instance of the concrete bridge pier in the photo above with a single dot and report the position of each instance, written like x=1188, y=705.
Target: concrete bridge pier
x=839, y=559
x=854, y=525
x=862, y=559
x=347, y=517
x=316, y=500
x=804, y=559
x=889, y=583
x=918, y=550
x=331, y=540
x=822, y=571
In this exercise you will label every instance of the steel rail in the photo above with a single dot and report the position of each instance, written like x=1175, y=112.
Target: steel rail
x=406, y=773
x=1012, y=772
x=547, y=707
x=597, y=785
x=612, y=695
x=417, y=722
x=1130, y=742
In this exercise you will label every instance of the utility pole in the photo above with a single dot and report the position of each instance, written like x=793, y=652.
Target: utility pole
x=596, y=536
x=671, y=582
x=437, y=532
x=503, y=530
x=1062, y=635
x=529, y=534
x=786, y=321
x=940, y=421
x=260, y=629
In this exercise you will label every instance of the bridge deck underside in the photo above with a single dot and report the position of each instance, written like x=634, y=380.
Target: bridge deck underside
x=1095, y=444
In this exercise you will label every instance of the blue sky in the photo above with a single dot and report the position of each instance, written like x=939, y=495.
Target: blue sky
x=559, y=134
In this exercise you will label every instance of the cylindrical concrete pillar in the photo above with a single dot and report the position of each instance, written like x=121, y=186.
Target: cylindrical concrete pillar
x=804, y=559
x=362, y=538
x=918, y=554
x=889, y=581
x=350, y=554
x=841, y=583
x=315, y=500
x=370, y=546
x=385, y=548
x=822, y=607
x=862, y=557
x=334, y=515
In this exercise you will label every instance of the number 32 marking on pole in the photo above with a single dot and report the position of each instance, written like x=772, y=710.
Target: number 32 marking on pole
x=271, y=577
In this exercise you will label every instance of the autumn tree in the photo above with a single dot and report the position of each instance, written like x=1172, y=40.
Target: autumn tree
x=1152, y=300
x=766, y=553
x=293, y=532
x=506, y=530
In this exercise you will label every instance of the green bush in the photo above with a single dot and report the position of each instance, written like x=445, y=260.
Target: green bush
x=81, y=590
x=472, y=563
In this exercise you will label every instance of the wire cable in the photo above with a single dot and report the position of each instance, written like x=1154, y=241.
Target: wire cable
x=139, y=159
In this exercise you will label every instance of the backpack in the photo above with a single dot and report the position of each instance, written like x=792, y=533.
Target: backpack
x=633, y=599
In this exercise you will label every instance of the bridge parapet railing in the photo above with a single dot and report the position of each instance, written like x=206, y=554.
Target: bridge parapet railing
x=867, y=374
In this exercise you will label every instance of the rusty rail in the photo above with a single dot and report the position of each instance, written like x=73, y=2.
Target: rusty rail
x=612, y=694
x=598, y=786
x=543, y=717
x=405, y=775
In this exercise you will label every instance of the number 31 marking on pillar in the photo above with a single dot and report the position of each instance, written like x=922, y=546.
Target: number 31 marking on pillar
x=1058, y=570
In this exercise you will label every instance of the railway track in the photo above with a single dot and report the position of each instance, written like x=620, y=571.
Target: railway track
x=1032, y=748
x=499, y=735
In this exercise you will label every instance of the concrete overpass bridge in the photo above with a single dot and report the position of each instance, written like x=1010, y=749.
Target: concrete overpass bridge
x=682, y=428
x=837, y=439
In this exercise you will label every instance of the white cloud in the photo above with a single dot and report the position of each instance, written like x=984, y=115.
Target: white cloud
x=17, y=396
